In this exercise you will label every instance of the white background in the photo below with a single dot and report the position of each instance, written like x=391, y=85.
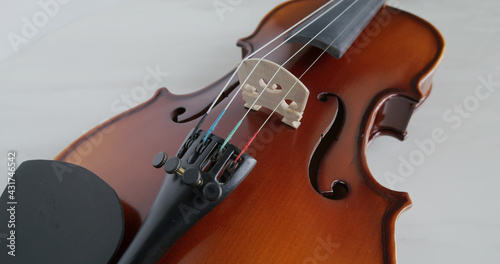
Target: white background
x=89, y=54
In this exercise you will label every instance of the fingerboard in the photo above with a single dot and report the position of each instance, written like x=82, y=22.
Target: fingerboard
x=340, y=23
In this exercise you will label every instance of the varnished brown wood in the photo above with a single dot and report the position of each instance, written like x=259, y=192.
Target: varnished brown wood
x=277, y=215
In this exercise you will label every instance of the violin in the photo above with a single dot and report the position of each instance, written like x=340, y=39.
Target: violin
x=268, y=164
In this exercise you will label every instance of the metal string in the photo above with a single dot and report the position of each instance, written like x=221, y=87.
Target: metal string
x=276, y=73
x=210, y=130
x=284, y=97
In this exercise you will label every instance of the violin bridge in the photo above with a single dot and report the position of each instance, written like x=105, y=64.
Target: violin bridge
x=282, y=83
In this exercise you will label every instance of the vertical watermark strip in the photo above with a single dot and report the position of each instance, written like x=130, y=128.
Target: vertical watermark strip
x=11, y=203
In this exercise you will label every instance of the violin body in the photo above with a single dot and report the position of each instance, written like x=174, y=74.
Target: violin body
x=282, y=212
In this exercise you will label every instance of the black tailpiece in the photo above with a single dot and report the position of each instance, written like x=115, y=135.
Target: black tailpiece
x=198, y=179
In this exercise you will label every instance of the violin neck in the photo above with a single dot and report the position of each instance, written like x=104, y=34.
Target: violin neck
x=338, y=25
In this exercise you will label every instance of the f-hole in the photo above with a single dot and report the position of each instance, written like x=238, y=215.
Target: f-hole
x=339, y=191
x=339, y=188
x=177, y=115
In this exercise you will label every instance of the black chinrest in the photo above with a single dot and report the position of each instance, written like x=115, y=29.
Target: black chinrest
x=64, y=214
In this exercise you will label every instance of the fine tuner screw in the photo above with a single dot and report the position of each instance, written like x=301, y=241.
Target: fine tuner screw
x=160, y=159
x=172, y=165
x=192, y=177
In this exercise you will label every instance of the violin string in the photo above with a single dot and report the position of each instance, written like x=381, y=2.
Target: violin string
x=243, y=150
x=276, y=73
x=214, y=125
x=264, y=46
